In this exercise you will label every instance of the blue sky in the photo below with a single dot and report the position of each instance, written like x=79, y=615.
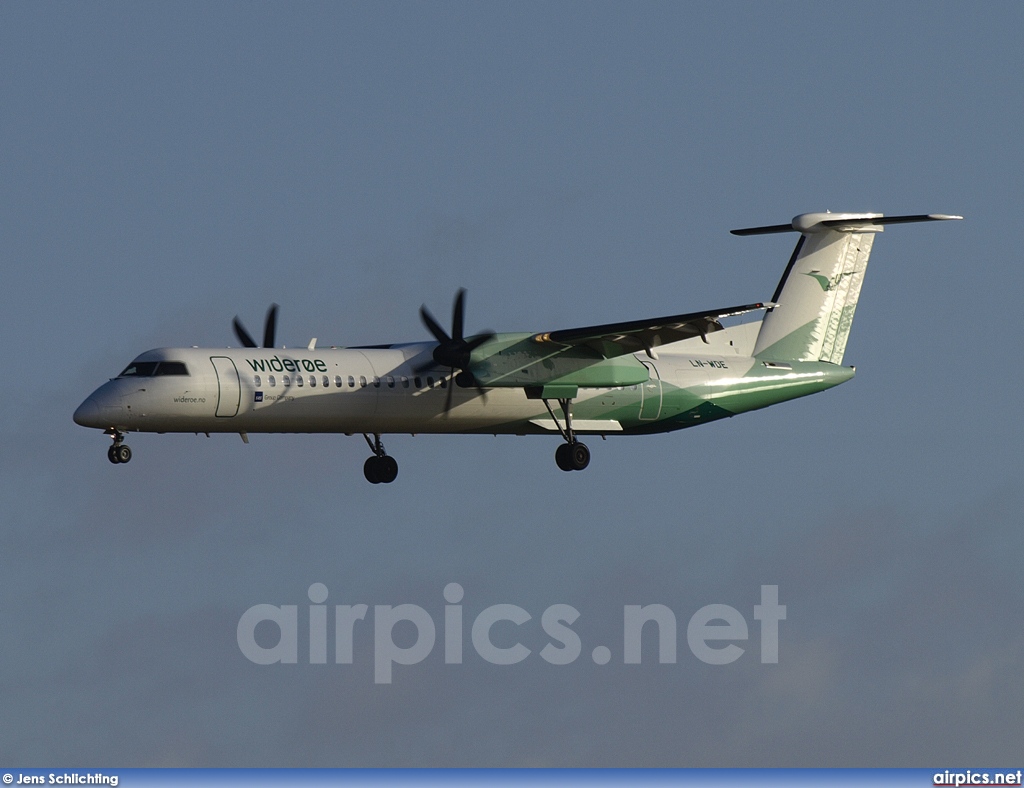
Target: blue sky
x=167, y=166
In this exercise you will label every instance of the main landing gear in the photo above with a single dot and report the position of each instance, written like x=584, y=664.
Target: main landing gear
x=381, y=468
x=119, y=451
x=571, y=455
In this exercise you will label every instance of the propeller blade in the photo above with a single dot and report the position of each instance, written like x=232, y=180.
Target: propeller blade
x=451, y=388
x=454, y=352
x=270, y=326
x=433, y=326
x=465, y=379
x=478, y=340
x=458, y=314
x=242, y=334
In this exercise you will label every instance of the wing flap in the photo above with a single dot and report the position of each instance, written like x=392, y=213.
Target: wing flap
x=581, y=425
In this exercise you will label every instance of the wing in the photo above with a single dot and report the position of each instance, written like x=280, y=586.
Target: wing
x=618, y=339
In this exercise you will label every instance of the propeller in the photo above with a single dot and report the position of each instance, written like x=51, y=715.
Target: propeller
x=454, y=351
x=269, y=329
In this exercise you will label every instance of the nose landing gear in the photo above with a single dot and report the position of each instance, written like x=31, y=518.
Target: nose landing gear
x=119, y=451
x=381, y=468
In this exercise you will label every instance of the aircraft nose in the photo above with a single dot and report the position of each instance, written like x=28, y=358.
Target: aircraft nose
x=88, y=414
x=101, y=409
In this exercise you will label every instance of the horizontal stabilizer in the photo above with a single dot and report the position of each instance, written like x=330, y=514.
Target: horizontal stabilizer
x=848, y=222
x=921, y=217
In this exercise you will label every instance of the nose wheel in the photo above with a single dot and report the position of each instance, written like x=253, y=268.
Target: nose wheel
x=381, y=468
x=119, y=452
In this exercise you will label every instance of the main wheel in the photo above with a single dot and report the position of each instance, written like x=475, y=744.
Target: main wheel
x=387, y=469
x=371, y=470
x=562, y=458
x=124, y=454
x=579, y=456
x=112, y=455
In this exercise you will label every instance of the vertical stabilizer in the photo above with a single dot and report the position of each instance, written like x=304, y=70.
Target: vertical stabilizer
x=817, y=296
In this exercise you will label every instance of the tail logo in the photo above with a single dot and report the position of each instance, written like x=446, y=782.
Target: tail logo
x=826, y=283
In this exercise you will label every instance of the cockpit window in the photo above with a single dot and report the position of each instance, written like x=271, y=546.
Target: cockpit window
x=171, y=368
x=139, y=369
x=148, y=369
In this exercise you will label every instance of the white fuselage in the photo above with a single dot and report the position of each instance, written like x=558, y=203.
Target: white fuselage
x=370, y=390
x=397, y=389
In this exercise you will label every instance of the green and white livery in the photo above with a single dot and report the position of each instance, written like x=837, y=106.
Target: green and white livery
x=636, y=377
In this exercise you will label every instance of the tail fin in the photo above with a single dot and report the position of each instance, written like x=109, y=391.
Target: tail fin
x=817, y=296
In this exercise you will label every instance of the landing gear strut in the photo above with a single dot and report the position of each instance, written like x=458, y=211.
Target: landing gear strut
x=119, y=451
x=571, y=455
x=381, y=468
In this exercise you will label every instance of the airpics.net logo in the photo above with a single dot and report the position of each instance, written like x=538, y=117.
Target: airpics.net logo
x=713, y=633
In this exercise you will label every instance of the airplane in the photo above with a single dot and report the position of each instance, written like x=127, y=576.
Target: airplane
x=631, y=378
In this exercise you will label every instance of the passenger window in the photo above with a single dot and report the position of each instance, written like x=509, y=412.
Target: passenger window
x=272, y=381
x=256, y=381
x=351, y=382
x=430, y=382
x=405, y=382
x=298, y=381
x=418, y=381
x=312, y=381
x=362, y=382
x=391, y=382
x=443, y=382
x=286, y=381
x=337, y=381
x=376, y=381
x=327, y=382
